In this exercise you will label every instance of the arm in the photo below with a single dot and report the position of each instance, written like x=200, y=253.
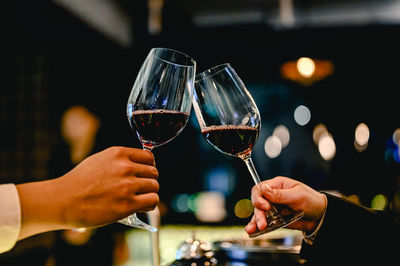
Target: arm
x=356, y=233
x=348, y=231
x=103, y=188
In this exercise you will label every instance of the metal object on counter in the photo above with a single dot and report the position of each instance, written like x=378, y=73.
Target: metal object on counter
x=281, y=250
x=195, y=252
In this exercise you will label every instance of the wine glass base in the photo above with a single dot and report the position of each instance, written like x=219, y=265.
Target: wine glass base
x=133, y=221
x=278, y=222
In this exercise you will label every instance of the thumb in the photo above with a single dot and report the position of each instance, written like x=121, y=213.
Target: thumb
x=276, y=195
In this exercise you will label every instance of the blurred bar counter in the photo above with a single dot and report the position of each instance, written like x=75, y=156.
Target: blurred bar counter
x=172, y=236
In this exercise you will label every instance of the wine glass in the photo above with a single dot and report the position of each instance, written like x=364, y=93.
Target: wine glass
x=230, y=121
x=159, y=103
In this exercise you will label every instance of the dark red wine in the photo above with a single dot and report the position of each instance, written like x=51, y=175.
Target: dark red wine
x=156, y=127
x=231, y=139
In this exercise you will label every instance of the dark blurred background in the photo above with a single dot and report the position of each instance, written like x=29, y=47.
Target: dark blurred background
x=56, y=54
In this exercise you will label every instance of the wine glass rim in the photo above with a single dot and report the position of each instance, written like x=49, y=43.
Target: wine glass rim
x=211, y=71
x=190, y=59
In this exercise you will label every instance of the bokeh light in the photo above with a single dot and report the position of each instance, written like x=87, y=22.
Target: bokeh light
x=361, y=137
x=272, y=146
x=362, y=134
x=221, y=179
x=243, y=208
x=318, y=131
x=192, y=202
x=282, y=132
x=305, y=66
x=379, y=202
x=327, y=146
x=180, y=203
x=210, y=207
x=396, y=137
x=302, y=115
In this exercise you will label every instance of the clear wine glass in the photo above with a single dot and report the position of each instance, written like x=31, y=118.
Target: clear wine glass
x=230, y=121
x=159, y=103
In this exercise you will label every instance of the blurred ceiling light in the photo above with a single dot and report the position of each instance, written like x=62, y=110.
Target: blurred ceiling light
x=286, y=11
x=103, y=15
x=361, y=137
x=306, y=71
x=318, y=131
x=210, y=207
x=272, y=146
x=305, y=66
x=243, y=208
x=326, y=146
x=302, y=115
x=283, y=134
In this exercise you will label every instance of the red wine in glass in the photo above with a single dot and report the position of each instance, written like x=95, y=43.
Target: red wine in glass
x=231, y=139
x=157, y=127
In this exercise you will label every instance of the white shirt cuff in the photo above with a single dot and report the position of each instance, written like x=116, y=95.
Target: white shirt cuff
x=10, y=217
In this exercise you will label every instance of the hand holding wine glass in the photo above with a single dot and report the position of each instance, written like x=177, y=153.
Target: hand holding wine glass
x=159, y=103
x=230, y=121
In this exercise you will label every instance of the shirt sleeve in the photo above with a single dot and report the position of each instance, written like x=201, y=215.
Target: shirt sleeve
x=309, y=238
x=10, y=216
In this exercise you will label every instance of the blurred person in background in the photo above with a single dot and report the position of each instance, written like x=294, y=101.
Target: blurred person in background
x=336, y=230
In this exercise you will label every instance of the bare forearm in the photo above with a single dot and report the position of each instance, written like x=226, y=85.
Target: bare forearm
x=102, y=189
x=41, y=208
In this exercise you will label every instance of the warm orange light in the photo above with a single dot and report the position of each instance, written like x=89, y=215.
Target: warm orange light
x=306, y=71
x=305, y=66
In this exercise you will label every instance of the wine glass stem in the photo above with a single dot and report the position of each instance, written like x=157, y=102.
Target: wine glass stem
x=252, y=170
x=257, y=181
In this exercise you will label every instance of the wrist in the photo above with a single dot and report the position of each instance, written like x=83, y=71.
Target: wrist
x=310, y=235
x=40, y=207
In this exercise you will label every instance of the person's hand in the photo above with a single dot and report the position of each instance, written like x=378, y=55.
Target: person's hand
x=103, y=188
x=294, y=195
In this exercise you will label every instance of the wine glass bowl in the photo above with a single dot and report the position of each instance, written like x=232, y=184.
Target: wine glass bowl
x=230, y=121
x=161, y=98
x=159, y=103
x=229, y=129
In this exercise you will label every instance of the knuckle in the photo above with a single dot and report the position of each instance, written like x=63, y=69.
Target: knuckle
x=114, y=151
x=258, y=202
x=280, y=178
x=125, y=169
x=278, y=195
